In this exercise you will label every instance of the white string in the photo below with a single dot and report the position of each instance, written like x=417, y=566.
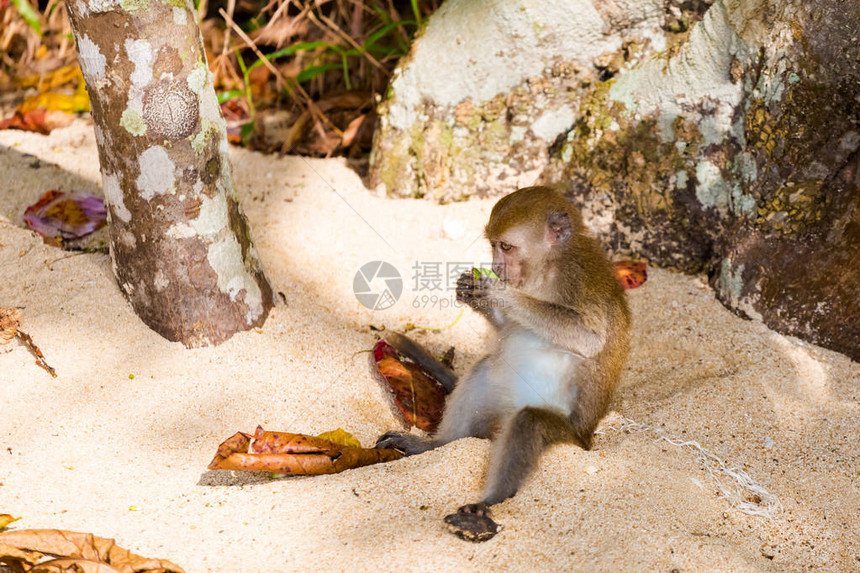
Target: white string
x=734, y=484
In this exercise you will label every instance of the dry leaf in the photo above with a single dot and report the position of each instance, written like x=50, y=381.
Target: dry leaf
x=352, y=130
x=237, y=116
x=75, y=103
x=6, y=519
x=36, y=352
x=10, y=321
x=16, y=559
x=67, y=215
x=296, y=454
x=342, y=437
x=418, y=396
x=631, y=274
x=40, y=120
x=10, y=327
x=73, y=552
x=52, y=80
x=267, y=442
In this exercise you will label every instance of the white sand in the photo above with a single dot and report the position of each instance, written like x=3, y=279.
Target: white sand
x=94, y=450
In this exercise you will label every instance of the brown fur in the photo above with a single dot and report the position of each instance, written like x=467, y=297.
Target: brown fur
x=559, y=296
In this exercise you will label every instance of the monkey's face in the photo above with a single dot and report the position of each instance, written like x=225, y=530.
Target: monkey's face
x=526, y=256
x=513, y=253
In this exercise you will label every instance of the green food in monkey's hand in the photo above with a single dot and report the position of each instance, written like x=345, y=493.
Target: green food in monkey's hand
x=478, y=273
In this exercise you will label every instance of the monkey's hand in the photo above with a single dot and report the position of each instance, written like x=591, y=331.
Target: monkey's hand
x=482, y=293
x=406, y=443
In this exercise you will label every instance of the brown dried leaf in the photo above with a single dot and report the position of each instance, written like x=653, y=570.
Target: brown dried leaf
x=297, y=464
x=73, y=566
x=319, y=145
x=238, y=442
x=358, y=457
x=36, y=352
x=10, y=321
x=296, y=454
x=352, y=130
x=286, y=443
x=347, y=100
x=14, y=557
x=75, y=552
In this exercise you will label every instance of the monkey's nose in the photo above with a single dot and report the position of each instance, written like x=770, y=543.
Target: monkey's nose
x=499, y=269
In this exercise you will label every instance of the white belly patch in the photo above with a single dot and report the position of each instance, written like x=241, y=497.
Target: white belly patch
x=538, y=373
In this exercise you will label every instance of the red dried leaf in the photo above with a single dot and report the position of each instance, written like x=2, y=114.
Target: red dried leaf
x=631, y=274
x=235, y=112
x=419, y=398
x=40, y=120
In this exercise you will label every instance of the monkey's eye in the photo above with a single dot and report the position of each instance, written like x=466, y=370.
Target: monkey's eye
x=505, y=247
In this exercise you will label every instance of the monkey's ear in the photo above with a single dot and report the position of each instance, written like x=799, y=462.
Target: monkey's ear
x=558, y=229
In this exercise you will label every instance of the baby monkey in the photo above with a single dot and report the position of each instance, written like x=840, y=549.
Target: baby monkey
x=561, y=337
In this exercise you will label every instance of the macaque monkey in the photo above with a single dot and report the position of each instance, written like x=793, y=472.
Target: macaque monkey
x=561, y=337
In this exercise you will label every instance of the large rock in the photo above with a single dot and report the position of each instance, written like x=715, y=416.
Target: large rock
x=491, y=85
x=738, y=155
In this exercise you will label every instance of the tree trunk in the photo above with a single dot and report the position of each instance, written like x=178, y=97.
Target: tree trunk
x=180, y=245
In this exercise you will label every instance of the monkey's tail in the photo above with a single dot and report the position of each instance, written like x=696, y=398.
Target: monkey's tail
x=516, y=451
x=424, y=359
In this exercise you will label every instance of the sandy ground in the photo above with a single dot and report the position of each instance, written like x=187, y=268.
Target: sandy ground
x=97, y=450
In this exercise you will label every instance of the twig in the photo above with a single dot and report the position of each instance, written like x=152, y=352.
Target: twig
x=311, y=106
x=336, y=29
x=279, y=12
x=70, y=255
x=231, y=5
x=34, y=350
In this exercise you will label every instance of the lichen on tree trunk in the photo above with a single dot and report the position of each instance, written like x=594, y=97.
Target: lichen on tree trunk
x=181, y=248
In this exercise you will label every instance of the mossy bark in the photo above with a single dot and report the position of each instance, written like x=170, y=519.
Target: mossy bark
x=181, y=248
x=489, y=86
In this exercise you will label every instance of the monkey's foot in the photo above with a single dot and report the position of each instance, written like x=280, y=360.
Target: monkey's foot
x=482, y=509
x=472, y=522
x=406, y=443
